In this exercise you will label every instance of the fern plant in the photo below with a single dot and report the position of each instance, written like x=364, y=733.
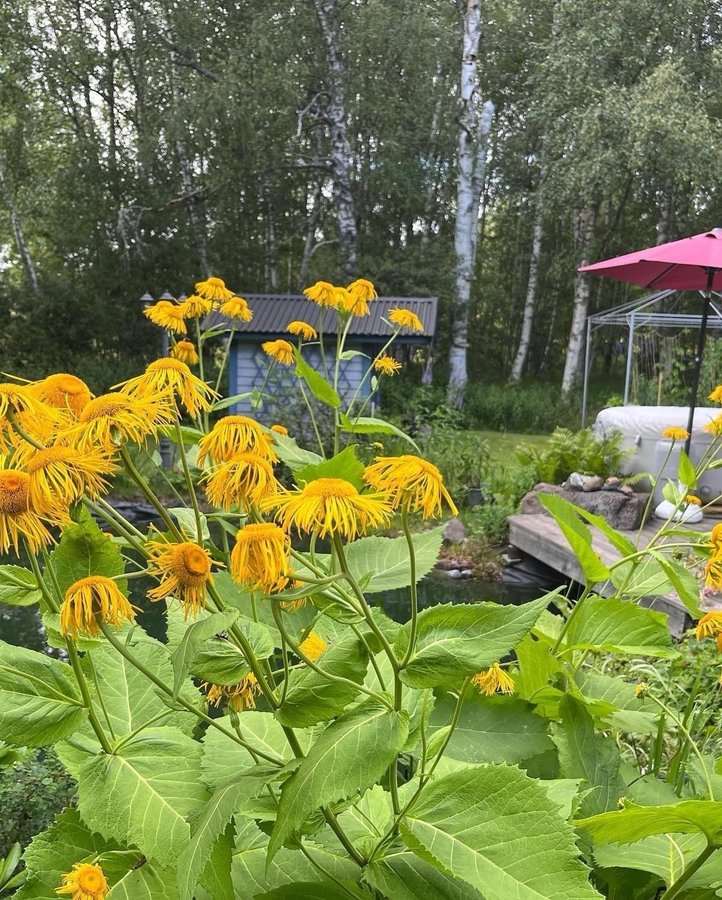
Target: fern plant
x=575, y=451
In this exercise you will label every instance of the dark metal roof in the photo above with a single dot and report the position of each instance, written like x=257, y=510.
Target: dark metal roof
x=272, y=312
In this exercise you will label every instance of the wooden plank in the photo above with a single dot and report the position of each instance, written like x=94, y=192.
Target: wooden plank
x=539, y=536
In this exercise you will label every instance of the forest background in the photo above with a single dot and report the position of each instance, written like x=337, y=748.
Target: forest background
x=143, y=144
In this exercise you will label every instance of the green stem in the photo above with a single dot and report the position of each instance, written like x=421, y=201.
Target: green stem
x=21, y=431
x=313, y=417
x=692, y=743
x=103, y=707
x=569, y=619
x=676, y=888
x=189, y=482
x=149, y=495
x=224, y=361
x=651, y=494
x=412, y=587
x=369, y=371
x=126, y=535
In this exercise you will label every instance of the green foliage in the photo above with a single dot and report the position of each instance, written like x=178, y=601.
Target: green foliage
x=569, y=451
x=530, y=408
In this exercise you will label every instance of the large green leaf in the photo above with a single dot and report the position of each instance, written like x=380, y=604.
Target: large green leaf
x=454, y=641
x=319, y=387
x=615, y=703
x=405, y=876
x=311, y=698
x=386, y=560
x=85, y=550
x=619, y=626
x=537, y=667
x=370, y=425
x=193, y=637
x=143, y=793
x=585, y=754
x=39, y=699
x=683, y=581
x=292, y=455
x=130, y=699
x=492, y=729
x=566, y=515
x=632, y=823
x=345, y=465
x=349, y=756
x=18, y=586
x=497, y=829
x=208, y=827
x=616, y=538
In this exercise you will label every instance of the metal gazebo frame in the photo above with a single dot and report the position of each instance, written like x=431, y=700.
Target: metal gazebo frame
x=637, y=314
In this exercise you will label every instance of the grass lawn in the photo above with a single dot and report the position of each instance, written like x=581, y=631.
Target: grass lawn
x=503, y=444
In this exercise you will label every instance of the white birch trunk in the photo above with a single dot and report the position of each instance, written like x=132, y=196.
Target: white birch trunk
x=20, y=242
x=527, y=320
x=342, y=160
x=583, y=224
x=475, y=125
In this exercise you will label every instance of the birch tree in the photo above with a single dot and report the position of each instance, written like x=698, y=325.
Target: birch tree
x=584, y=219
x=474, y=128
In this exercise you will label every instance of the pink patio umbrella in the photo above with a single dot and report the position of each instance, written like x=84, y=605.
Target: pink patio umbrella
x=691, y=264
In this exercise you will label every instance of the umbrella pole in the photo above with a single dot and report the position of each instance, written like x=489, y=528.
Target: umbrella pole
x=701, y=338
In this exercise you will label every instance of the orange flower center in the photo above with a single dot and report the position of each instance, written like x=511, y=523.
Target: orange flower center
x=49, y=457
x=330, y=487
x=68, y=384
x=13, y=493
x=166, y=364
x=194, y=561
x=105, y=405
x=264, y=531
x=90, y=880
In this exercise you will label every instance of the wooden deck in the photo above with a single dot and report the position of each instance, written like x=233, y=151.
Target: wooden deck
x=539, y=536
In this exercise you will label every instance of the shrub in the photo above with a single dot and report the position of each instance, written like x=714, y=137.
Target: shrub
x=575, y=451
x=527, y=409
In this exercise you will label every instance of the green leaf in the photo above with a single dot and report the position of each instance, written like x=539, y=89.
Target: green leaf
x=454, y=641
x=190, y=435
x=614, y=702
x=683, y=581
x=405, y=876
x=319, y=387
x=310, y=890
x=616, y=538
x=686, y=473
x=208, y=828
x=537, y=667
x=369, y=425
x=187, y=520
x=84, y=550
x=142, y=794
x=585, y=754
x=311, y=698
x=39, y=699
x=387, y=559
x=230, y=401
x=193, y=637
x=345, y=465
x=292, y=455
x=497, y=829
x=492, y=729
x=619, y=626
x=566, y=515
x=18, y=586
x=349, y=756
x=632, y=823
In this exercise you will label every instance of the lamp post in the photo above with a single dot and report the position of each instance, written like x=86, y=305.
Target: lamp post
x=146, y=300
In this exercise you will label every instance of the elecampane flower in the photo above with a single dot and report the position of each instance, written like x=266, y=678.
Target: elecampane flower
x=404, y=318
x=185, y=351
x=244, y=479
x=194, y=307
x=716, y=395
x=63, y=391
x=85, y=882
x=280, y=351
x=237, y=696
x=112, y=418
x=17, y=517
x=184, y=570
x=214, y=289
x=237, y=308
x=261, y=557
x=411, y=482
x=709, y=625
x=16, y=399
x=493, y=680
x=303, y=330
x=330, y=506
x=232, y=435
x=672, y=433
x=91, y=600
x=172, y=376
x=167, y=315
x=313, y=646
x=63, y=473
x=387, y=365
x=324, y=293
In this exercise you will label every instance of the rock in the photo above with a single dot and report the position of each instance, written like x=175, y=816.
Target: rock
x=613, y=480
x=579, y=482
x=575, y=482
x=466, y=573
x=454, y=573
x=592, y=483
x=454, y=531
x=620, y=509
x=626, y=489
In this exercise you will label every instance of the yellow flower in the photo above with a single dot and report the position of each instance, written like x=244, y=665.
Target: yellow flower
x=261, y=557
x=716, y=395
x=404, y=318
x=64, y=392
x=714, y=426
x=306, y=331
x=185, y=351
x=167, y=315
x=713, y=571
x=111, y=418
x=17, y=516
x=64, y=474
x=641, y=689
x=324, y=293
x=716, y=535
x=89, y=599
x=709, y=625
x=387, y=365
x=85, y=882
x=232, y=435
x=494, y=679
x=17, y=399
x=237, y=308
x=330, y=506
x=280, y=429
x=214, y=289
x=279, y=350
x=238, y=696
x=243, y=479
x=718, y=641
x=313, y=646
x=693, y=499
x=357, y=297
x=675, y=434
x=184, y=570
x=411, y=482
x=171, y=375
x=194, y=307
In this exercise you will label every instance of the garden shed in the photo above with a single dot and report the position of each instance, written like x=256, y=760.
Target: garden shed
x=367, y=336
